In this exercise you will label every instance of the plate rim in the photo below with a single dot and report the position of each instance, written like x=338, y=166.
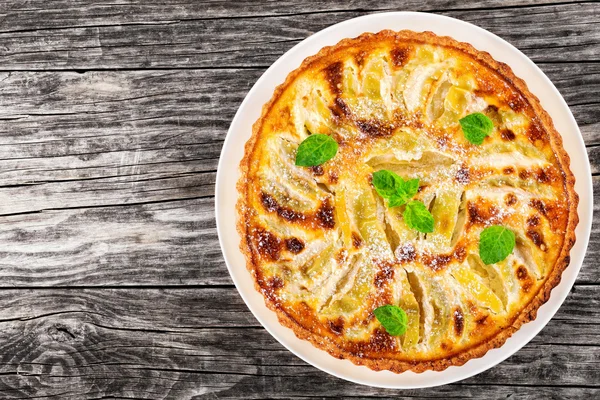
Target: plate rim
x=549, y=309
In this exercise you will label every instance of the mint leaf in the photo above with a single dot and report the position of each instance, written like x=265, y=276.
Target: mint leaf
x=392, y=318
x=392, y=187
x=396, y=201
x=476, y=127
x=418, y=217
x=495, y=244
x=409, y=189
x=386, y=182
x=315, y=150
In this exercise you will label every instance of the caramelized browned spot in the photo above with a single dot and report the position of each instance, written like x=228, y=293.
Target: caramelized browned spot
x=508, y=171
x=526, y=286
x=374, y=128
x=459, y=321
x=481, y=213
x=538, y=205
x=337, y=326
x=333, y=178
x=460, y=253
x=275, y=283
x=333, y=75
x=356, y=240
x=536, y=237
x=341, y=256
x=325, y=215
x=271, y=287
x=492, y=112
x=462, y=175
x=533, y=220
x=317, y=170
x=482, y=320
x=360, y=57
x=522, y=273
x=384, y=275
x=290, y=215
x=525, y=280
x=340, y=109
x=555, y=212
x=491, y=109
x=406, y=253
x=268, y=245
x=534, y=132
x=510, y=199
x=507, y=134
x=542, y=177
x=268, y=202
x=439, y=261
x=401, y=55
x=294, y=245
x=545, y=175
x=379, y=341
x=524, y=174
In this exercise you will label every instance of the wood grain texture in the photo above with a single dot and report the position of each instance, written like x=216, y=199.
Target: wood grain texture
x=112, y=118
x=101, y=343
x=225, y=34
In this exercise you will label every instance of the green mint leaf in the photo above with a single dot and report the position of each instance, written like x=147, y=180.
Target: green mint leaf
x=386, y=182
x=409, y=189
x=418, y=217
x=476, y=127
x=315, y=150
x=392, y=187
x=495, y=244
x=392, y=318
x=395, y=201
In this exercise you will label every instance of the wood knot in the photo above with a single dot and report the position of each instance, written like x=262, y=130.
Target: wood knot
x=60, y=332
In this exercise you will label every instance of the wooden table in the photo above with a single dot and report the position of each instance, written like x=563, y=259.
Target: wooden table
x=112, y=117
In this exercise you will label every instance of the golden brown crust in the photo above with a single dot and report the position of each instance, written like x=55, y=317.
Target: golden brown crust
x=525, y=315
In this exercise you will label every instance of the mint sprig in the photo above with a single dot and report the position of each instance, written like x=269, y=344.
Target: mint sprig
x=392, y=187
x=476, y=127
x=398, y=192
x=495, y=244
x=418, y=217
x=315, y=150
x=392, y=318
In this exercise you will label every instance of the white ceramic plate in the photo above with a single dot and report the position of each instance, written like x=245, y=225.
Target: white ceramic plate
x=249, y=112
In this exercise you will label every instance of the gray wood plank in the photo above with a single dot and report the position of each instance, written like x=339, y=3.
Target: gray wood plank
x=61, y=13
x=101, y=343
x=65, y=36
x=165, y=243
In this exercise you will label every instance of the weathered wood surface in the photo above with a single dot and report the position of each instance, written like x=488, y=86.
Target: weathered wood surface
x=102, y=343
x=112, y=118
x=225, y=34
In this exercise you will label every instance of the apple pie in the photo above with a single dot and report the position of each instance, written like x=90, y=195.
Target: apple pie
x=463, y=146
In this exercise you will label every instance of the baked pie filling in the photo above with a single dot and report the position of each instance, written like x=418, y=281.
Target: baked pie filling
x=327, y=247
